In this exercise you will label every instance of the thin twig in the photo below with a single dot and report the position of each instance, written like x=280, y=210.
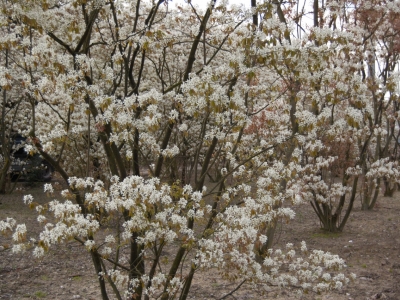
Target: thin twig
x=234, y=290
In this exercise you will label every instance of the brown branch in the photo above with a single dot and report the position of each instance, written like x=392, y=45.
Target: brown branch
x=234, y=290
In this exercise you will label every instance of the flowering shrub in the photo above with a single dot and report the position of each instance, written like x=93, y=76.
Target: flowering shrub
x=163, y=220
x=195, y=130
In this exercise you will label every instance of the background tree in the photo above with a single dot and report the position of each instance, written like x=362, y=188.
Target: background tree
x=14, y=105
x=359, y=130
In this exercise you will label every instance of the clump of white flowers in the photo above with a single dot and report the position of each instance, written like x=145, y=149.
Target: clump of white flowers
x=7, y=225
x=228, y=247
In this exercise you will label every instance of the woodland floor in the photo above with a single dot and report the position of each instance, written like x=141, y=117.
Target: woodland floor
x=370, y=244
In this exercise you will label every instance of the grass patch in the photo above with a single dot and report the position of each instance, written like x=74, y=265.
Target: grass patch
x=326, y=235
x=44, y=277
x=5, y=206
x=76, y=278
x=40, y=294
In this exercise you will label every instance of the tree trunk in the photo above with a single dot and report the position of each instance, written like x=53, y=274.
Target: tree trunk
x=389, y=188
x=3, y=175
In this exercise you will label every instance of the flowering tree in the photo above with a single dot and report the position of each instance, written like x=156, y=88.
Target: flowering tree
x=340, y=102
x=14, y=106
x=354, y=107
x=189, y=130
x=381, y=55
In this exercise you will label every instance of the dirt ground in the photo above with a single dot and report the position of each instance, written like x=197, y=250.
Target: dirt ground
x=370, y=244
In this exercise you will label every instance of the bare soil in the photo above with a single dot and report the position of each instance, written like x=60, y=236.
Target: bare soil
x=370, y=244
